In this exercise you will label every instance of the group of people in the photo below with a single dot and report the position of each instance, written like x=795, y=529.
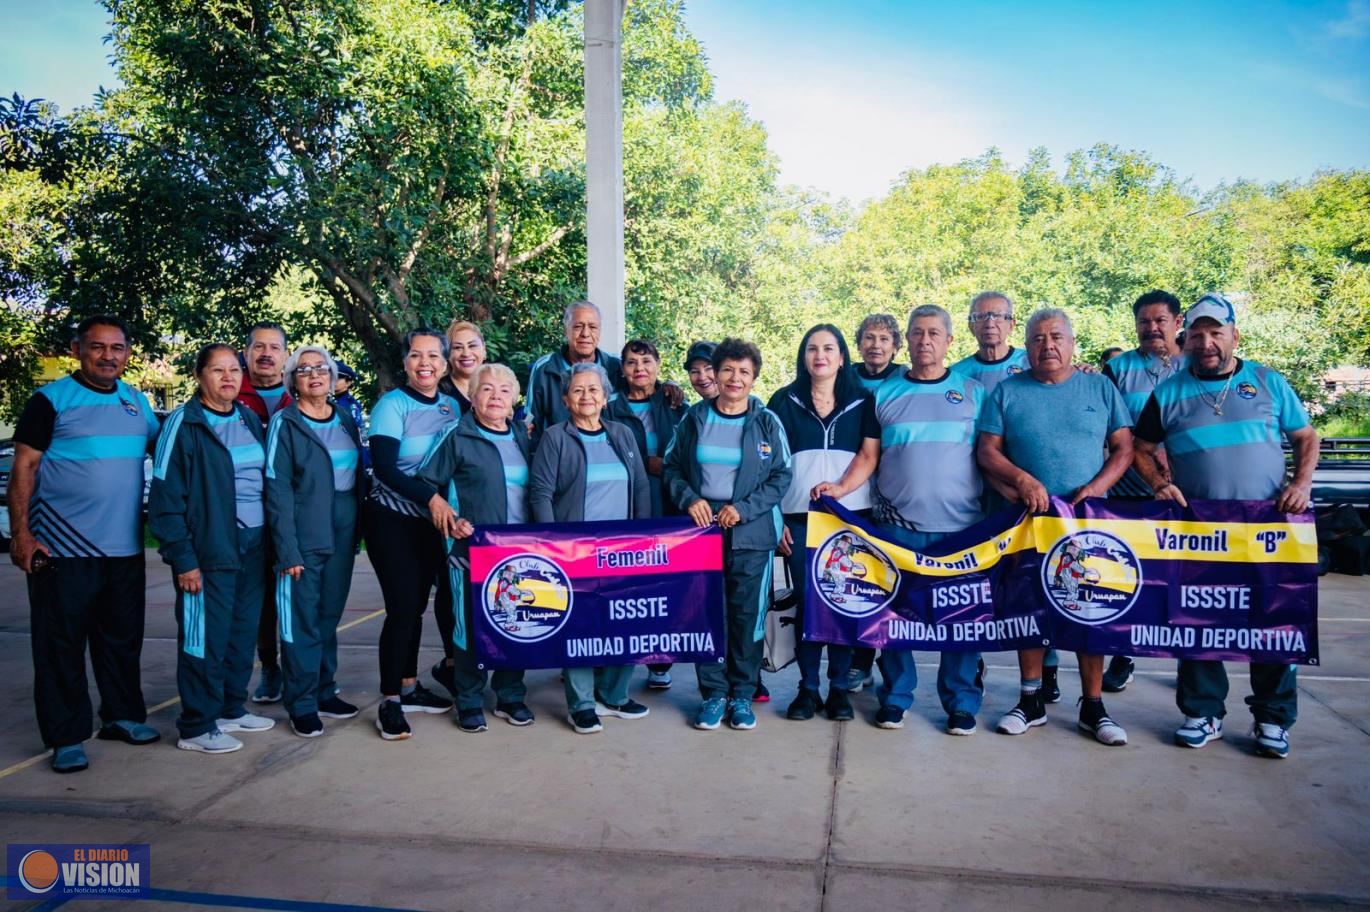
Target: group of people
x=264, y=485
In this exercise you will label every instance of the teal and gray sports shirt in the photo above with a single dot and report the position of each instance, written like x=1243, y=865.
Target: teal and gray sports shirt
x=515, y=472
x=415, y=424
x=341, y=450
x=88, y=499
x=606, y=478
x=1137, y=375
x=719, y=453
x=249, y=464
x=1224, y=445
x=928, y=475
x=642, y=411
x=990, y=374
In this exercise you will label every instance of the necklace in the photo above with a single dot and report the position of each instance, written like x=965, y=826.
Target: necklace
x=1167, y=368
x=1216, y=402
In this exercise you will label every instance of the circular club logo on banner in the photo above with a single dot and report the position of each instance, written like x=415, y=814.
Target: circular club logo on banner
x=527, y=598
x=853, y=576
x=38, y=871
x=1091, y=577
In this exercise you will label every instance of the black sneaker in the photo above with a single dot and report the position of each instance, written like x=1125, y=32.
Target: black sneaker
x=308, y=726
x=585, y=722
x=1029, y=713
x=1051, y=690
x=1119, y=674
x=423, y=700
x=514, y=713
x=762, y=694
x=889, y=717
x=804, y=705
x=443, y=674
x=335, y=707
x=390, y=721
x=960, y=723
x=471, y=720
x=628, y=709
x=838, y=706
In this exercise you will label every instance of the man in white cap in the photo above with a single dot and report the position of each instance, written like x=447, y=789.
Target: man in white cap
x=1221, y=421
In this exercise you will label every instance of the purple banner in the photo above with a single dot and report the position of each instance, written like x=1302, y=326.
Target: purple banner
x=566, y=595
x=1215, y=580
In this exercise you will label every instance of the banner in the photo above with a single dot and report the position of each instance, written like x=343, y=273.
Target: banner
x=565, y=595
x=1230, y=580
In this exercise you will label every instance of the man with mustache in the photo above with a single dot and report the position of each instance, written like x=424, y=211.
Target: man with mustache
x=264, y=392
x=1137, y=373
x=75, y=504
x=1222, y=420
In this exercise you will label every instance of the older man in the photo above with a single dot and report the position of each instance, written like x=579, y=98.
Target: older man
x=1044, y=433
x=928, y=488
x=991, y=323
x=264, y=392
x=1138, y=373
x=581, y=322
x=75, y=504
x=1221, y=421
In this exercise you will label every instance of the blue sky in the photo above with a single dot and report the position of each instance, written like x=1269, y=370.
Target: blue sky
x=854, y=92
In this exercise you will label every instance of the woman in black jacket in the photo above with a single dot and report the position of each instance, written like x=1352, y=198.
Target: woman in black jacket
x=828, y=420
x=588, y=470
x=205, y=509
x=314, y=490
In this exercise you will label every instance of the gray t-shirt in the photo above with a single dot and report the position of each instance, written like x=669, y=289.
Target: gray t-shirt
x=719, y=452
x=515, y=473
x=606, y=479
x=249, y=463
x=1056, y=432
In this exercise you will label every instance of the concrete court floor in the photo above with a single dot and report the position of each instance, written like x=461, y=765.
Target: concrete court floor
x=652, y=815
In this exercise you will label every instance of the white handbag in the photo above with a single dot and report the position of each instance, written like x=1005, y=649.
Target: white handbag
x=781, y=634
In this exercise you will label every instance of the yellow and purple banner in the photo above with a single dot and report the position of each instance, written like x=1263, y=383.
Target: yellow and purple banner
x=1215, y=580
x=565, y=595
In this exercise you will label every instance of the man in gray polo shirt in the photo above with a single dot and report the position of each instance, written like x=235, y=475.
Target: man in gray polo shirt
x=1043, y=433
x=1221, y=421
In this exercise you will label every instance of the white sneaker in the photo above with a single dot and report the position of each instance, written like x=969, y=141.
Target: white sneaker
x=1198, y=731
x=247, y=722
x=211, y=742
x=1271, y=740
x=1105, y=731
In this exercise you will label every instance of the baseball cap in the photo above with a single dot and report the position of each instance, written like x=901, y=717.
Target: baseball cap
x=700, y=351
x=346, y=372
x=1213, y=306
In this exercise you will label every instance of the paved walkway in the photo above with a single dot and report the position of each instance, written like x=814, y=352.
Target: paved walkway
x=653, y=815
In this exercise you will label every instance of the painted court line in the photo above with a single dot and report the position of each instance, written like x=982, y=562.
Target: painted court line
x=25, y=764
x=222, y=900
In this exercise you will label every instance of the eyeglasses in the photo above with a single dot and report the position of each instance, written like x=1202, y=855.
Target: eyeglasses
x=310, y=369
x=991, y=315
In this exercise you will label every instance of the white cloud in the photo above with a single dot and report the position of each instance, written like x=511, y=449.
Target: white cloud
x=1355, y=24
x=852, y=133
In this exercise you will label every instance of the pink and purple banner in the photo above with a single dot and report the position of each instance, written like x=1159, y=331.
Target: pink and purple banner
x=1234, y=580
x=565, y=595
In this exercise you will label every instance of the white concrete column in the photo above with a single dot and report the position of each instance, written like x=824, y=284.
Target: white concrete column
x=604, y=165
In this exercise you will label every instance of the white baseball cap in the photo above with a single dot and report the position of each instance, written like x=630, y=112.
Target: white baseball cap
x=1213, y=306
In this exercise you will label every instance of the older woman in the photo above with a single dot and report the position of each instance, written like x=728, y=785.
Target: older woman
x=828, y=420
x=314, y=491
x=647, y=411
x=465, y=354
x=588, y=470
x=469, y=462
x=205, y=508
x=405, y=550
x=730, y=464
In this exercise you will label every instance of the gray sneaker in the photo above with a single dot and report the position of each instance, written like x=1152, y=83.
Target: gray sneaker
x=247, y=722
x=858, y=680
x=211, y=742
